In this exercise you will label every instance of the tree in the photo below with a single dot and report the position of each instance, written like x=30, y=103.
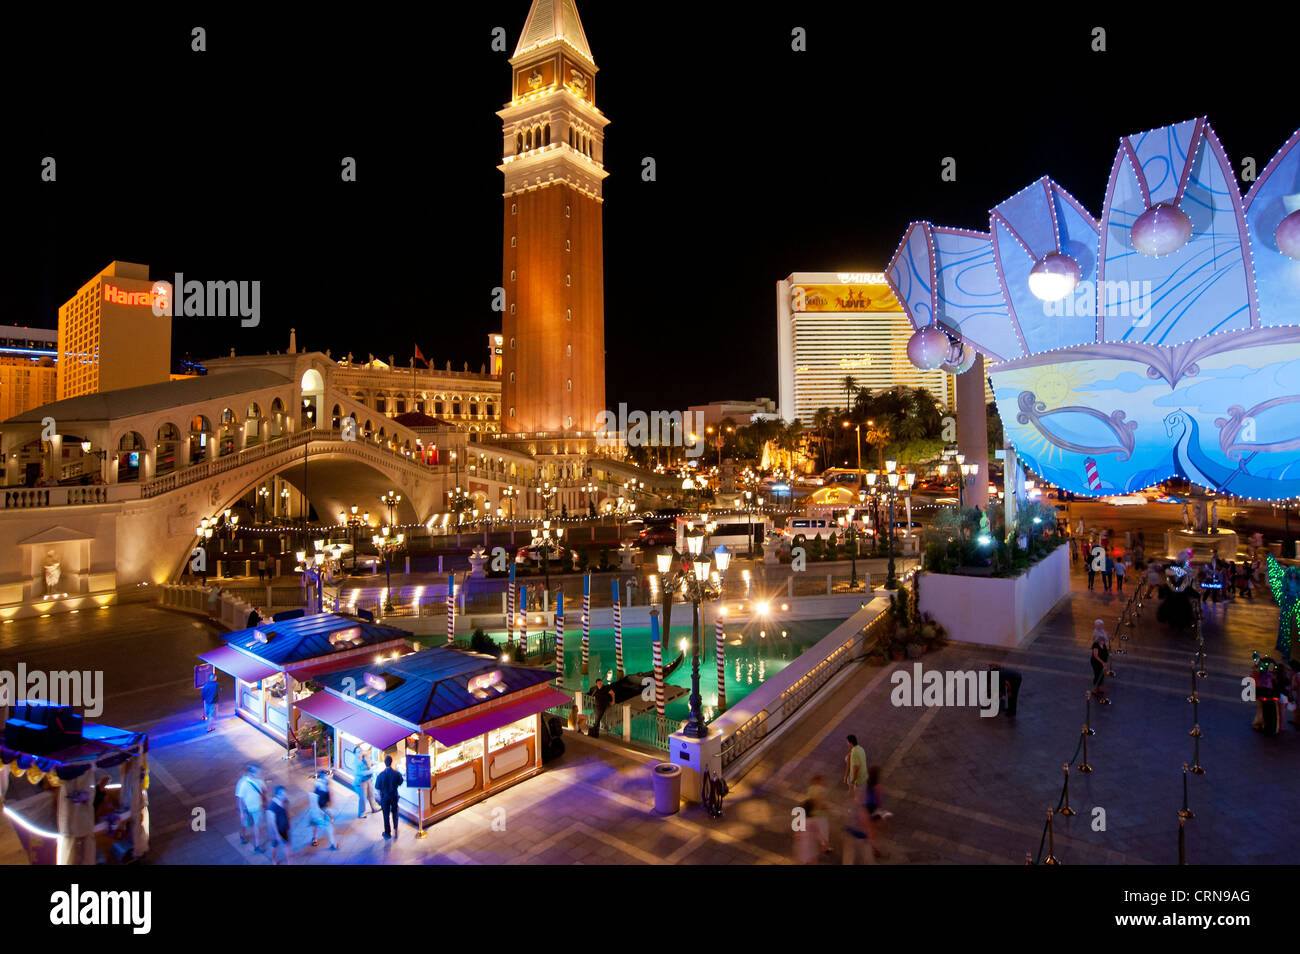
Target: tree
x=849, y=386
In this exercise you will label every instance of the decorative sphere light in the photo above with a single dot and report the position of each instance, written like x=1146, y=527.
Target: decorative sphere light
x=960, y=359
x=1287, y=235
x=928, y=347
x=1161, y=230
x=1054, y=276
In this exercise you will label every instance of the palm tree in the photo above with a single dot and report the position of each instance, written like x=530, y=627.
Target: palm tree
x=824, y=424
x=849, y=386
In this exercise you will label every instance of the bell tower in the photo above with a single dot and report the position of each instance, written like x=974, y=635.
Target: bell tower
x=553, y=341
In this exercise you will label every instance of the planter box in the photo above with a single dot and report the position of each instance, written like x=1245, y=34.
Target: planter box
x=997, y=611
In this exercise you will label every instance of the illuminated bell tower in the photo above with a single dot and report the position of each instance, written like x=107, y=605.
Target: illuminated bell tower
x=553, y=367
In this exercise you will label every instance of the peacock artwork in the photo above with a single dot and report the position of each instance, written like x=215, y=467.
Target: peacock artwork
x=1161, y=340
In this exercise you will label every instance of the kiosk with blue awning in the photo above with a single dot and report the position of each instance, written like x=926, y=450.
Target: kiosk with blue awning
x=271, y=662
x=479, y=719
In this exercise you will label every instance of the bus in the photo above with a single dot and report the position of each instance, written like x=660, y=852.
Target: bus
x=729, y=529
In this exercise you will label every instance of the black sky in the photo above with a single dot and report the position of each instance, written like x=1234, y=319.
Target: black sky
x=225, y=165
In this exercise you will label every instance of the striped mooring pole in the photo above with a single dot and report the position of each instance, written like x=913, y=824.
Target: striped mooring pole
x=510, y=605
x=586, y=620
x=720, y=653
x=451, y=608
x=559, y=637
x=523, y=620
x=657, y=647
x=618, y=633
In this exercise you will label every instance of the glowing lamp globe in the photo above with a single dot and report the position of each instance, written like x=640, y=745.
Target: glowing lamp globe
x=1287, y=235
x=1161, y=230
x=960, y=359
x=1054, y=277
x=928, y=348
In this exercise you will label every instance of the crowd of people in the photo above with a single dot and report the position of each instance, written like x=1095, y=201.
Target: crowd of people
x=864, y=808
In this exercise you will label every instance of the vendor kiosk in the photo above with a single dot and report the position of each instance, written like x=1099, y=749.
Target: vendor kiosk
x=478, y=718
x=271, y=662
x=50, y=766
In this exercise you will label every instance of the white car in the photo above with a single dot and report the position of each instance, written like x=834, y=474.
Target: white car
x=1125, y=500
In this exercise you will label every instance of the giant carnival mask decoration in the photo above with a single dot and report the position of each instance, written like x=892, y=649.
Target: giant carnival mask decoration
x=1160, y=341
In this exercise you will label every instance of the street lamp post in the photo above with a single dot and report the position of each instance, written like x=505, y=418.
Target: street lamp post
x=545, y=537
x=386, y=543
x=698, y=584
x=391, y=500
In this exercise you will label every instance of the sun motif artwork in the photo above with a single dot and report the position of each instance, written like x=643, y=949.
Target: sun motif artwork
x=1175, y=353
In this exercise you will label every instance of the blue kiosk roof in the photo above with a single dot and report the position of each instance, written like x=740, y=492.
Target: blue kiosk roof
x=434, y=683
x=308, y=637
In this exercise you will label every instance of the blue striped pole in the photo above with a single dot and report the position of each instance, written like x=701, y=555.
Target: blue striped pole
x=586, y=619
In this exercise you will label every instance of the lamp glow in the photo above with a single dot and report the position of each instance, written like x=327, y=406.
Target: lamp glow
x=1054, y=277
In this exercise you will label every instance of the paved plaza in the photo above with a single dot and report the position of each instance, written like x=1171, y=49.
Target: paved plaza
x=963, y=789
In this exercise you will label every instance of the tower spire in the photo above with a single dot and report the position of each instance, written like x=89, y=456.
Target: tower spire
x=554, y=21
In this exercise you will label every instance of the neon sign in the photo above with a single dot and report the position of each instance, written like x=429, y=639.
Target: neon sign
x=157, y=296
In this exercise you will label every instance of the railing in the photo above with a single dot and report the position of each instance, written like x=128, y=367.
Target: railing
x=220, y=465
x=751, y=732
x=32, y=498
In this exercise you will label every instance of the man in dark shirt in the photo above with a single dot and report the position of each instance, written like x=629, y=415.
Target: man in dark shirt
x=603, y=697
x=387, y=784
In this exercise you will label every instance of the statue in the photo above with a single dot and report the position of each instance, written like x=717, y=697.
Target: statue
x=1187, y=518
x=1214, y=517
x=53, y=570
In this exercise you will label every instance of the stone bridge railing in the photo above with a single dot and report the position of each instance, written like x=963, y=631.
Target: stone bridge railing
x=375, y=454
x=30, y=498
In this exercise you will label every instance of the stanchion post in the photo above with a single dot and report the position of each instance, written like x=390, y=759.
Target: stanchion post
x=1051, y=842
x=1087, y=714
x=1185, y=812
x=1197, y=768
x=1084, y=767
x=1067, y=811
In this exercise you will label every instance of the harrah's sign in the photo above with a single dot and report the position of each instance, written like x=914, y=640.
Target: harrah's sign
x=196, y=299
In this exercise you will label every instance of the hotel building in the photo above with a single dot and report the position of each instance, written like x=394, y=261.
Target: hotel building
x=834, y=325
x=109, y=336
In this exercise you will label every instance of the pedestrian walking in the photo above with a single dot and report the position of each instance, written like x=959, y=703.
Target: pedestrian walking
x=874, y=802
x=602, y=698
x=1107, y=572
x=816, y=837
x=389, y=781
x=250, y=793
x=214, y=602
x=1120, y=571
x=1092, y=569
x=1099, y=658
x=365, y=773
x=855, y=766
x=321, y=816
x=210, y=693
x=277, y=825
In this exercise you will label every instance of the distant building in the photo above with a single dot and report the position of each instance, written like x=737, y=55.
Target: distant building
x=109, y=336
x=28, y=374
x=836, y=325
x=742, y=412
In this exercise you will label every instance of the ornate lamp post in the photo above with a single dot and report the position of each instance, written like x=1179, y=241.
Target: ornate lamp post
x=352, y=521
x=544, y=537
x=385, y=543
x=204, y=531
x=890, y=490
x=263, y=497
x=698, y=584
x=391, y=500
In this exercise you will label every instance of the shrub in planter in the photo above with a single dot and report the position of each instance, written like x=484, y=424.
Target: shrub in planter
x=914, y=650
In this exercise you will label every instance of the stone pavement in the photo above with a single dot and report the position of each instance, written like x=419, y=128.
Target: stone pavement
x=963, y=789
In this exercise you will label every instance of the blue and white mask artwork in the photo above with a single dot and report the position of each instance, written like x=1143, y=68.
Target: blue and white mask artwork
x=1162, y=341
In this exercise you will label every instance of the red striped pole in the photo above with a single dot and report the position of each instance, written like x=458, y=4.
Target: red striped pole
x=559, y=637
x=720, y=653
x=586, y=619
x=523, y=620
x=618, y=633
x=510, y=606
x=657, y=645
x=451, y=608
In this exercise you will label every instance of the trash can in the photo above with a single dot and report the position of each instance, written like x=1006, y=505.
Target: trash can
x=668, y=788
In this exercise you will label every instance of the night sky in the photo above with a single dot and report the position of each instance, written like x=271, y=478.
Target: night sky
x=225, y=165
